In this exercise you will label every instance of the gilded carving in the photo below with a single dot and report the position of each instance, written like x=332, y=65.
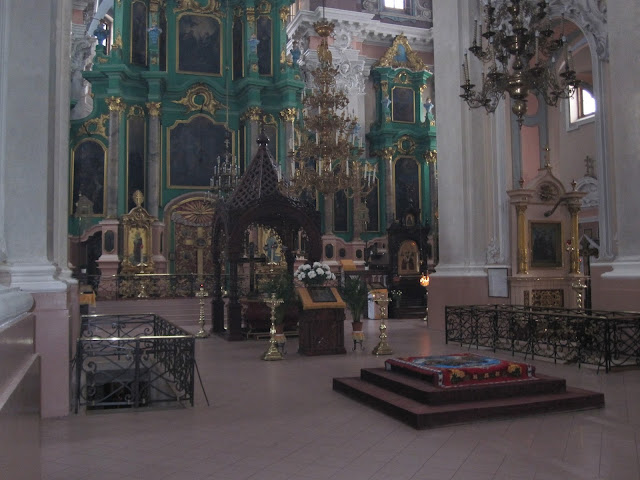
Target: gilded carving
x=154, y=108
x=97, y=126
x=399, y=55
x=264, y=8
x=251, y=14
x=238, y=11
x=284, y=15
x=115, y=104
x=289, y=114
x=212, y=6
x=547, y=298
x=200, y=98
x=117, y=43
x=253, y=114
x=431, y=157
x=402, y=77
x=136, y=111
x=137, y=223
x=406, y=145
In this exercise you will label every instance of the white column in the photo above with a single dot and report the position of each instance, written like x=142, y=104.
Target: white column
x=34, y=126
x=462, y=175
x=624, y=121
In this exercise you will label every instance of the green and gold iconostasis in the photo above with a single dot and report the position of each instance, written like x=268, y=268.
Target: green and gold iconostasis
x=178, y=75
x=403, y=136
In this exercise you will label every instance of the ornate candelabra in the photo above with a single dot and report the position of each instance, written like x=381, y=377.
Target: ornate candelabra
x=382, y=348
x=226, y=174
x=327, y=156
x=273, y=353
x=521, y=49
x=201, y=294
x=424, y=282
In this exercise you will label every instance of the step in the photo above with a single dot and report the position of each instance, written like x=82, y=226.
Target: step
x=425, y=392
x=421, y=416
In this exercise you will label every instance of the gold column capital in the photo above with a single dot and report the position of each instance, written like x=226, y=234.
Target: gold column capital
x=431, y=157
x=154, y=108
x=289, y=114
x=115, y=104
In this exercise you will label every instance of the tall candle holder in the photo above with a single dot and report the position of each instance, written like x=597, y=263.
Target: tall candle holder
x=201, y=294
x=382, y=348
x=273, y=353
x=424, y=282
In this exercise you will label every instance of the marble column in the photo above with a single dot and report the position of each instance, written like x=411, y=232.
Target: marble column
x=34, y=156
x=153, y=160
x=116, y=107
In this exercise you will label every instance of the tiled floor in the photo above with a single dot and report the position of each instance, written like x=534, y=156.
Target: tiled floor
x=282, y=420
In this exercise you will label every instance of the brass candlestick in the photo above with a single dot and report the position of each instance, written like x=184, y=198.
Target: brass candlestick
x=383, y=347
x=424, y=282
x=579, y=287
x=201, y=294
x=272, y=352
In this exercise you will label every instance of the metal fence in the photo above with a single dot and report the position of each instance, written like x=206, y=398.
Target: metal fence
x=148, y=285
x=132, y=361
x=603, y=338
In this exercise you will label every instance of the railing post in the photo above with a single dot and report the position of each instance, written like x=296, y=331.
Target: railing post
x=136, y=375
x=79, y=362
x=607, y=344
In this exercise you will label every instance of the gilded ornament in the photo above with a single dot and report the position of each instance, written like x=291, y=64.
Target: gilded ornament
x=253, y=114
x=406, y=145
x=115, y=104
x=264, y=7
x=251, y=14
x=238, y=11
x=117, y=43
x=431, y=156
x=284, y=15
x=402, y=77
x=212, y=6
x=200, y=98
x=289, y=114
x=399, y=55
x=154, y=108
x=97, y=126
x=136, y=111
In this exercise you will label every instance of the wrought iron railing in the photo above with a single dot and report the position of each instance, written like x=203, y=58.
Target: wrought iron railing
x=148, y=285
x=132, y=361
x=602, y=338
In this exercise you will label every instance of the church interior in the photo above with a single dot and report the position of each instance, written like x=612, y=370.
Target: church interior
x=250, y=178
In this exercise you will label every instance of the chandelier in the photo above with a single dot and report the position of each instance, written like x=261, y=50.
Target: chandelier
x=326, y=158
x=226, y=173
x=520, y=47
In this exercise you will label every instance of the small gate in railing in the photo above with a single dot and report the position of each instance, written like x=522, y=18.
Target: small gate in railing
x=603, y=338
x=132, y=361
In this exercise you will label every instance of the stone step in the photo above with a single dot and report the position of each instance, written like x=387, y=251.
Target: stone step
x=422, y=416
x=424, y=392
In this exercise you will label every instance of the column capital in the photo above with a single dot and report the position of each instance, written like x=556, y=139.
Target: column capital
x=115, y=104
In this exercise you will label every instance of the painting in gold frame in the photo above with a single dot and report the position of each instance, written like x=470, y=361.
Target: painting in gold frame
x=403, y=105
x=89, y=175
x=199, y=39
x=546, y=244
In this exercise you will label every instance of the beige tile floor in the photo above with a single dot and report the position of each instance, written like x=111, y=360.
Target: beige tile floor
x=282, y=421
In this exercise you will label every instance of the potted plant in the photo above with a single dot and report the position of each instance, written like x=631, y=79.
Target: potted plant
x=355, y=293
x=314, y=275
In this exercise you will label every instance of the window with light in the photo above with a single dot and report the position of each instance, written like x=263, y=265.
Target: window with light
x=582, y=106
x=394, y=4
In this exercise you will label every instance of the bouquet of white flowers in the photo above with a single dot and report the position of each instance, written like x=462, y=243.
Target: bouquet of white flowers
x=315, y=274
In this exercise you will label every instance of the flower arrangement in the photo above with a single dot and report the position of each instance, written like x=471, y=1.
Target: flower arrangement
x=315, y=274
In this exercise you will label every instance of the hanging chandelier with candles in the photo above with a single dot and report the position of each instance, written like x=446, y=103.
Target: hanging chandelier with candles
x=226, y=173
x=326, y=158
x=521, y=49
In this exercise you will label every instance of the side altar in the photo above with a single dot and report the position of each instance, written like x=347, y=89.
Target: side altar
x=321, y=323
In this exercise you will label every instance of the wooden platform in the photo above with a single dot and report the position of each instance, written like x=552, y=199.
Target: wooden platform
x=420, y=404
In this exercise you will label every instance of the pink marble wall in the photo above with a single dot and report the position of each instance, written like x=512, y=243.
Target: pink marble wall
x=19, y=400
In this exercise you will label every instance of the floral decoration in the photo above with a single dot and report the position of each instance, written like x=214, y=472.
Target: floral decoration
x=315, y=274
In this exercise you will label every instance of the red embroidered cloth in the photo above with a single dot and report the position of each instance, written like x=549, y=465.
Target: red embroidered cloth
x=463, y=369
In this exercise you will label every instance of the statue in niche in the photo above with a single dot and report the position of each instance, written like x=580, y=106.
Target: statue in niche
x=295, y=52
x=101, y=33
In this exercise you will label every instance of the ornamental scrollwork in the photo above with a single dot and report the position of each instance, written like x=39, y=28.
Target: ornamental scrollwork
x=200, y=98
